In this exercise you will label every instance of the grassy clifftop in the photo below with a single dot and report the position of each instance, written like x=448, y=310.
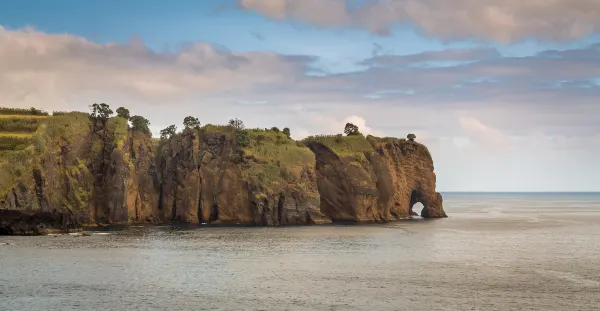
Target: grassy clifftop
x=24, y=138
x=279, y=160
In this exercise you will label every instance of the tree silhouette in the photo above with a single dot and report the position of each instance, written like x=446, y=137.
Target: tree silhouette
x=123, y=113
x=101, y=112
x=168, y=132
x=351, y=129
x=140, y=124
x=411, y=137
x=237, y=124
x=191, y=122
x=286, y=131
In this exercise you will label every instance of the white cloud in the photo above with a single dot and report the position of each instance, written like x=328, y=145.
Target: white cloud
x=505, y=132
x=503, y=21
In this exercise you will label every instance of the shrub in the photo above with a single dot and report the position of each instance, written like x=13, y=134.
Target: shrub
x=140, y=124
x=22, y=111
x=123, y=113
x=191, y=122
x=22, y=125
x=351, y=129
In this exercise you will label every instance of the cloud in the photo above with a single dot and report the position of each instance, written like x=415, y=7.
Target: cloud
x=491, y=122
x=36, y=67
x=451, y=55
x=502, y=21
x=488, y=135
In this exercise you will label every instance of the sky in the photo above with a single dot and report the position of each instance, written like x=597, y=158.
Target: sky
x=505, y=93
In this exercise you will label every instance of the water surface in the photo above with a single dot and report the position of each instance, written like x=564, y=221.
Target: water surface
x=494, y=252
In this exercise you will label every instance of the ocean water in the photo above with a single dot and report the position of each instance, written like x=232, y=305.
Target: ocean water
x=508, y=251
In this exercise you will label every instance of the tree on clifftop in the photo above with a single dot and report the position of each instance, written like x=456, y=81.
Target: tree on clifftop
x=123, y=113
x=411, y=137
x=101, y=112
x=99, y=116
x=237, y=124
x=191, y=122
x=140, y=124
x=351, y=129
x=168, y=132
x=286, y=131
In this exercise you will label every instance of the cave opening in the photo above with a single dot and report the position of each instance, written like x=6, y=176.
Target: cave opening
x=417, y=204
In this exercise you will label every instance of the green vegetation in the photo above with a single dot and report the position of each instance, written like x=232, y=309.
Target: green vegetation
x=10, y=142
x=351, y=130
x=123, y=113
x=272, y=146
x=411, y=137
x=286, y=132
x=140, y=124
x=118, y=126
x=19, y=124
x=20, y=111
x=168, y=132
x=101, y=112
x=191, y=122
x=344, y=146
x=279, y=160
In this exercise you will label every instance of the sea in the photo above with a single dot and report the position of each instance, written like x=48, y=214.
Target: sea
x=495, y=251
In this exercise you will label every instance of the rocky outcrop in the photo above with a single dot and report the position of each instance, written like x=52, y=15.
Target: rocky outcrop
x=379, y=184
x=13, y=222
x=205, y=177
x=79, y=173
x=92, y=178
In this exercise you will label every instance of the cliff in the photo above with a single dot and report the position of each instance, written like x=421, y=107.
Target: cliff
x=217, y=175
x=73, y=171
x=369, y=179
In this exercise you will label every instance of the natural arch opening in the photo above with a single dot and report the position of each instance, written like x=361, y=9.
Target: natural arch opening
x=417, y=203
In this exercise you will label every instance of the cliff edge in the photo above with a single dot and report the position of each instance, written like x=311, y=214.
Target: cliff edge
x=72, y=170
x=370, y=179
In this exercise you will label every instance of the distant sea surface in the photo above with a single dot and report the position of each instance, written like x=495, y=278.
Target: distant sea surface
x=496, y=251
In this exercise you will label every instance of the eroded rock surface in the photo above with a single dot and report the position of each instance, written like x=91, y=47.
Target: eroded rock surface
x=108, y=174
x=383, y=185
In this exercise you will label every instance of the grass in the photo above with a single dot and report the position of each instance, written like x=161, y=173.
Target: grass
x=2, y=116
x=22, y=111
x=18, y=135
x=272, y=146
x=11, y=141
x=344, y=146
x=19, y=124
x=279, y=159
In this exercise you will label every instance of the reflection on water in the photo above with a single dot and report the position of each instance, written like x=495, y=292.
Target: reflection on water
x=495, y=252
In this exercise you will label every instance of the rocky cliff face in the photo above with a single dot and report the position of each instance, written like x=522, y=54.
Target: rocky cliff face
x=85, y=176
x=206, y=177
x=78, y=173
x=380, y=183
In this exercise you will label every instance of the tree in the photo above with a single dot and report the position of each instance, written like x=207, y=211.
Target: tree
x=275, y=129
x=123, y=113
x=101, y=112
x=411, y=137
x=286, y=131
x=237, y=124
x=242, y=138
x=140, y=124
x=191, y=122
x=168, y=132
x=351, y=129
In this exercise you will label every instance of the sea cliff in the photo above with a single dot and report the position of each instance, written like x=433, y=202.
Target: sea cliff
x=74, y=169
